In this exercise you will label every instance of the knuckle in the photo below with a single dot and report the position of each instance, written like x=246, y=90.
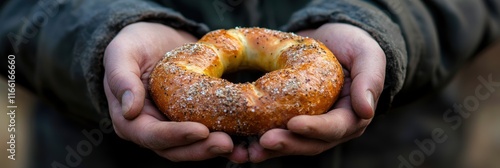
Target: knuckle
x=114, y=76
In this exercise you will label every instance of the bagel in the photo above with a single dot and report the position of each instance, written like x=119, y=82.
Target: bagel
x=302, y=77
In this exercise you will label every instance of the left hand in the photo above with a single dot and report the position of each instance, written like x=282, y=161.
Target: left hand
x=364, y=64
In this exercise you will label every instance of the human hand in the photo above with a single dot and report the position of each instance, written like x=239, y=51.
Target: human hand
x=364, y=67
x=128, y=61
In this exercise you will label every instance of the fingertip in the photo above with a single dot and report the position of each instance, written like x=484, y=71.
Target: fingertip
x=315, y=126
x=365, y=90
x=299, y=124
x=132, y=103
x=363, y=104
x=239, y=154
x=273, y=139
x=216, y=144
x=222, y=143
x=195, y=131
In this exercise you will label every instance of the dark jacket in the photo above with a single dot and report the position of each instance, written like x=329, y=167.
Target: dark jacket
x=59, y=44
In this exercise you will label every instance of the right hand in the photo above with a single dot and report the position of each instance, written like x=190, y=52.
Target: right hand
x=128, y=61
x=364, y=64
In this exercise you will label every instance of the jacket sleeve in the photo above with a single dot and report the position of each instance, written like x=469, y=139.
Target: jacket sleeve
x=59, y=45
x=425, y=42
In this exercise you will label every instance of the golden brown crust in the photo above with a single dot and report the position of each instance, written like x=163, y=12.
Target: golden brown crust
x=303, y=77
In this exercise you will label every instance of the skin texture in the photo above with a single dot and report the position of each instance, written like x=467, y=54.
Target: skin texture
x=131, y=56
x=303, y=78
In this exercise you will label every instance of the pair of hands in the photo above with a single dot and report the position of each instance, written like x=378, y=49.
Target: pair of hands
x=133, y=53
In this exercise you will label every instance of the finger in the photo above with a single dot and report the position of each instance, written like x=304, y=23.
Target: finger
x=148, y=131
x=280, y=142
x=367, y=70
x=368, y=74
x=124, y=79
x=239, y=154
x=332, y=126
x=366, y=61
x=217, y=144
x=365, y=96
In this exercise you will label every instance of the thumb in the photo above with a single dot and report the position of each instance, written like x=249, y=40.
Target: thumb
x=123, y=76
x=363, y=58
x=365, y=91
x=368, y=74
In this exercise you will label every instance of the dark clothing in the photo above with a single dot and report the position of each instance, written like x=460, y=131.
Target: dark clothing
x=59, y=44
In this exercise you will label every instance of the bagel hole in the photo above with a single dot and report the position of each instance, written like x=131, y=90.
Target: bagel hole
x=243, y=75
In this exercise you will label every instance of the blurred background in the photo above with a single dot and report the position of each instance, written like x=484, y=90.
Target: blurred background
x=472, y=142
x=388, y=142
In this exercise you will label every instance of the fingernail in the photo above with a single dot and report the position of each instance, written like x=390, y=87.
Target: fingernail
x=369, y=98
x=127, y=100
x=218, y=150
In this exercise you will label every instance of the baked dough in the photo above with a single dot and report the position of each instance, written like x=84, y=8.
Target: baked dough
x=302, y=77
